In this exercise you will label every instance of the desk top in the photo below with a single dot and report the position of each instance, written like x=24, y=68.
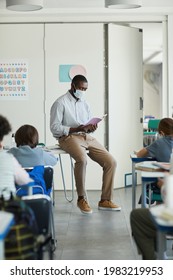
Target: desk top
x=149, y=174
x=136, y=159
x=55, y=149
x=150, y=166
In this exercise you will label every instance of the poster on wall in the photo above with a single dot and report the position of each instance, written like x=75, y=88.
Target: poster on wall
x=68, y=71
x=13, y=80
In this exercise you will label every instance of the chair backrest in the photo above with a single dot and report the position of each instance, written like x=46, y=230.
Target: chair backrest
x=153, y=124
x=48, y=176
x=43, y=180
x=41, y=206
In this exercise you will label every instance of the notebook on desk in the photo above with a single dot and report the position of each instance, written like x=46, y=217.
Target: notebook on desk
x=162, y=165
x=149, y=166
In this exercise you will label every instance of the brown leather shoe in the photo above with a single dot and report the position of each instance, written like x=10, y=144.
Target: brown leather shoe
x=84, y=206
x=108, y=205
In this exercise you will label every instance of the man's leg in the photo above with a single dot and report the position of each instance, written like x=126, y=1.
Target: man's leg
x=99, y=154
x=72, y=145
x=75, y=146
x=144, y=232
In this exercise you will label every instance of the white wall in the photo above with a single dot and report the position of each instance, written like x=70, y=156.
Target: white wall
x=45, y=49
x=24, y=42
x=170, y=66
x=39, y=89
x=80, y=44
x=152, y=89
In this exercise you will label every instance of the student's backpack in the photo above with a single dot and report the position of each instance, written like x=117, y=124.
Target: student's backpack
x=21, y=241
x=39, y=174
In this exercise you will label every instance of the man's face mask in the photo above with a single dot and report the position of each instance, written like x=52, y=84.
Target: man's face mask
x=79, y=94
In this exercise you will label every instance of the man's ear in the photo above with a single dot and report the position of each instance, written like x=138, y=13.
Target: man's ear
x=161, y=133
x=73, y=87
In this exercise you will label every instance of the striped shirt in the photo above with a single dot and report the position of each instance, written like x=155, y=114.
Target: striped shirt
x=11, y=173
x=67, y=112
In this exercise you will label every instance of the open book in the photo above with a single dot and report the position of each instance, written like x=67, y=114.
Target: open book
x=148, y=166
x=162, y=165
x=95, y=120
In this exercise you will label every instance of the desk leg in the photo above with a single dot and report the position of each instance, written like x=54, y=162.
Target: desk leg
x=161, y=245
x=143, y=204
x=1, y=250
x=63, y=179
x=133, y=186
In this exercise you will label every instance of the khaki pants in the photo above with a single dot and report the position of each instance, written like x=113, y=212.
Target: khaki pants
x=76, y=145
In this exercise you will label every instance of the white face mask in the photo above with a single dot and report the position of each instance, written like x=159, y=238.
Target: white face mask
x=79, y=94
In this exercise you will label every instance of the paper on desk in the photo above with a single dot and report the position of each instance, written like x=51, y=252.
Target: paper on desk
x=147, y=166
x=163, y=165
x=95, y=120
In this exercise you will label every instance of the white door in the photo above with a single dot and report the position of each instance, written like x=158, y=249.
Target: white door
x=125, y=78
x=22, y=75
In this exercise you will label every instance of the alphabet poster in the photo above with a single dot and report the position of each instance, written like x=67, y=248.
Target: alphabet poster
x=13, y=80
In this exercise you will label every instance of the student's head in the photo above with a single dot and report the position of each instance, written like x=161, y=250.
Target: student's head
x=166, y=126
x=5, y=127
x=27, y=135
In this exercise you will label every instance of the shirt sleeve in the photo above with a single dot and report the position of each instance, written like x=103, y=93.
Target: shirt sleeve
x=21, y=176
x=49, y=159
x=56, y=117
x=153, y=149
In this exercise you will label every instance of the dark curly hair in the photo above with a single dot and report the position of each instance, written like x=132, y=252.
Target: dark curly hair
x=27, y=135
x=5, y=127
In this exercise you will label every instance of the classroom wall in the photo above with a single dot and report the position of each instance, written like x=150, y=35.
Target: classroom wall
x=152, y=89
x=35, y=118
x=44, y=48
x=22, y=103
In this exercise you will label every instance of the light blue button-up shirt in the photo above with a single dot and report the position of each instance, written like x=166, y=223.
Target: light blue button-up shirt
x=67, y=112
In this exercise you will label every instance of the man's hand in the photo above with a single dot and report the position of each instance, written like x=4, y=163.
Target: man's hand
x=84, y=128
x=89, y=128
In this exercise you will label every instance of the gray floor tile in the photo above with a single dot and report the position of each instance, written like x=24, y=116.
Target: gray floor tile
x=101, y=235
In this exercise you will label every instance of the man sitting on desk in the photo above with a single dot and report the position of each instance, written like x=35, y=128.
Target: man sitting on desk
x=68, y=115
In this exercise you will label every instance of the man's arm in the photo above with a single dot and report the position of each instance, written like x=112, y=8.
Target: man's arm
x=83, y=128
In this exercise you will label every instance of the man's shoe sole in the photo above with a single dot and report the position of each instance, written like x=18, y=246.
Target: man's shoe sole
x=85, y=212
x=109, y=209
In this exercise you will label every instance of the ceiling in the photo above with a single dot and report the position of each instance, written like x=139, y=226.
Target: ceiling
x=94, y=10
x=161, y=7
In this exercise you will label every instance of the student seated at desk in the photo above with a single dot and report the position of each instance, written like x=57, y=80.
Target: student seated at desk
x=11, y=172
x=27, y=152
x=144, y=231
x=161, y=149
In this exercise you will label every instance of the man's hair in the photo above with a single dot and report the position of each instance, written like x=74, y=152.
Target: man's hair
x=166, y=125
x=5, y=127
x=27, y=135
x=79, y=78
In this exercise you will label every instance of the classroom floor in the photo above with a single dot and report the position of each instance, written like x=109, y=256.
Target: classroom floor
x=102, y=235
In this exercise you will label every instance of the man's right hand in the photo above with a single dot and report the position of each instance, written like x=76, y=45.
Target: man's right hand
x=84, y=128
x=89, y=128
